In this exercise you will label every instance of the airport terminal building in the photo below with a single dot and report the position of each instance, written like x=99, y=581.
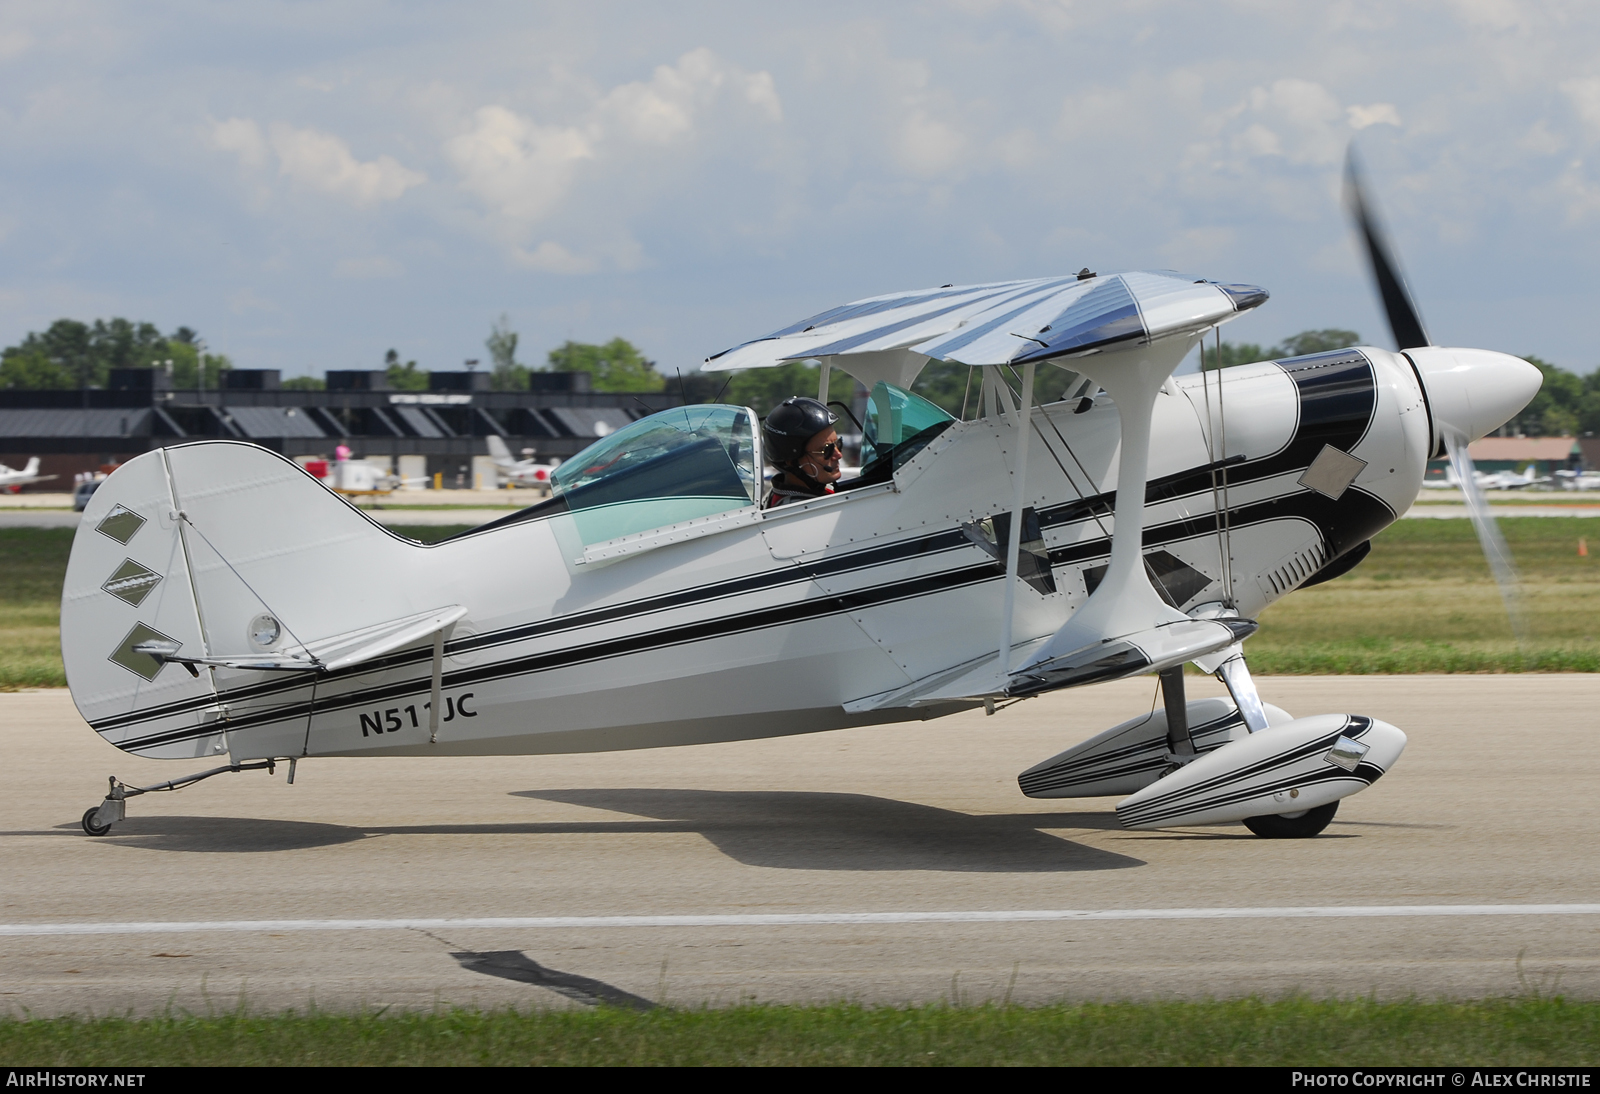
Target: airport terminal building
x=442, y=431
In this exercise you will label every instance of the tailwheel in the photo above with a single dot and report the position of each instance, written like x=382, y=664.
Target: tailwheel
x=89, y=824
x=1302, y=825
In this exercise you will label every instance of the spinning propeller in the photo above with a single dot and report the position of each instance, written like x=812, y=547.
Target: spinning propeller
x=1469, y=392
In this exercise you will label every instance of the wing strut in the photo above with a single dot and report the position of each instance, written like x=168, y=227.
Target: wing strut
x=1019, y=477
x=438, y=681
x=1125, y=628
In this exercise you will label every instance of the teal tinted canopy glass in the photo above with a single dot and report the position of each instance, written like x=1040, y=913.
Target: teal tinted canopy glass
x=895, y=418
x=673, y=466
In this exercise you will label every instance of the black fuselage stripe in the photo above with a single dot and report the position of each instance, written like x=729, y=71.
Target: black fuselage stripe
x=700, y=631
x=788, y=574
x=1337, y=403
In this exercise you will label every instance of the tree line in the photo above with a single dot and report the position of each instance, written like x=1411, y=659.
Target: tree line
x=72, y=354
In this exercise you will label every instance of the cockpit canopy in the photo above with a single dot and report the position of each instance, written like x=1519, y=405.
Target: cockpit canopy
x=677, y=465
x=697, y=461
x=898, y=425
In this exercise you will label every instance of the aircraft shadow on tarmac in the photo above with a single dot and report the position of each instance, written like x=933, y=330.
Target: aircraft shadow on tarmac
x=213, y=834
x=829, y=831
x=778, y=830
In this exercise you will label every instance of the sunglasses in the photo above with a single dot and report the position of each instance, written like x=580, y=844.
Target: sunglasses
x=829, y=450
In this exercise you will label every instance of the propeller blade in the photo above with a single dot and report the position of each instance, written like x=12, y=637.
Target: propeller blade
x=1494, y=546
x=1405, y=323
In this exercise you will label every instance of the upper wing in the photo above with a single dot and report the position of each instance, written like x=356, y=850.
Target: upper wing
x=1008, y=322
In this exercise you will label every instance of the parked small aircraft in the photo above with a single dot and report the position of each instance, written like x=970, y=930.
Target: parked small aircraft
x=1490, y=480
x=1511, y=480
x=358, y=478
x=11, y=481
x=1578, y=480
x=652, y=600
x=525, y=472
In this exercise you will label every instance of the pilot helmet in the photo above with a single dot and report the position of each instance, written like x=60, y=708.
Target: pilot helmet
x=791, y=425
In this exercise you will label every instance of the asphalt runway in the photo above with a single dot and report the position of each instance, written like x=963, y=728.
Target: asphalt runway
x=882, y=865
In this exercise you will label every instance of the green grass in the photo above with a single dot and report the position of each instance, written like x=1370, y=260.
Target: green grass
x=33, y=563
x=1294, y=1032
x=1423, y=601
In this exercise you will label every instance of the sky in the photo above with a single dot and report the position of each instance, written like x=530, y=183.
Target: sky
x=312, y=184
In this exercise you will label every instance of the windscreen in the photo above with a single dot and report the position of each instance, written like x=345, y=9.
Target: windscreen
x=898, y=425
x=671, y=467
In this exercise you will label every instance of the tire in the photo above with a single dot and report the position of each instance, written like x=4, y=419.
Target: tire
x=1302, y=825
x=90, y=826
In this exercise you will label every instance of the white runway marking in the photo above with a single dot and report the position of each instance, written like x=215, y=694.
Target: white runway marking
x=801, y=919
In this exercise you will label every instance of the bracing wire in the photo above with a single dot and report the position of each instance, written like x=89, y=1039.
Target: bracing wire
x=1087, y=478
x=261, y=599
x=1212, y=458
x=1227, y=503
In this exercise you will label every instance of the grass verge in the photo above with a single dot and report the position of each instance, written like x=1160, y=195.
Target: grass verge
x=1293, y=1032
x=1424, y=601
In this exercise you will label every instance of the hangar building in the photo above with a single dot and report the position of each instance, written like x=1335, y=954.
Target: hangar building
x=438, y=431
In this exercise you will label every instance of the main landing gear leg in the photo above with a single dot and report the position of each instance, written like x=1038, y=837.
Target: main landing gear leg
x=1236, y=676
x=97, y=821
x=1301, y=824
x=1180, y=746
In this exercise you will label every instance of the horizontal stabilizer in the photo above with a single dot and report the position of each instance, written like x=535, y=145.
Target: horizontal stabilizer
x=325, y=654
x=1161, y=647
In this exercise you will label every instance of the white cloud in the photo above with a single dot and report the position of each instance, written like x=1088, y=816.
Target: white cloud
x=1582, y=197
x=1539, y=139
x=320, y=161
x=366, y=269
x=248, y=300
x=1498, y=15
x=242, y=137
x=1584, y=94
x=552, y=257
x=1304, y=119
x=522, y=170
x=926, y=145
x=324, y=162
x=1374, y=114
x=517, y=168
x=664, y=109
x=13, y=43
x=1194, y=248
x=1298, y=121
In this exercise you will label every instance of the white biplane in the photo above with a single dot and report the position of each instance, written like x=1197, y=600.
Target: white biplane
x=1137, y=525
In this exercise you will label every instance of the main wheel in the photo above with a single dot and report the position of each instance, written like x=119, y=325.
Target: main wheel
x=91, y=827
x=1301, y=825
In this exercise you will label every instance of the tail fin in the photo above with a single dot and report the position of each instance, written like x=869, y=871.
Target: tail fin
x=498, y=449
x=33, y=466
x=216, y=550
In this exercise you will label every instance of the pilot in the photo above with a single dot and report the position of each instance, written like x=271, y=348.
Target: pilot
x=802, y=445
